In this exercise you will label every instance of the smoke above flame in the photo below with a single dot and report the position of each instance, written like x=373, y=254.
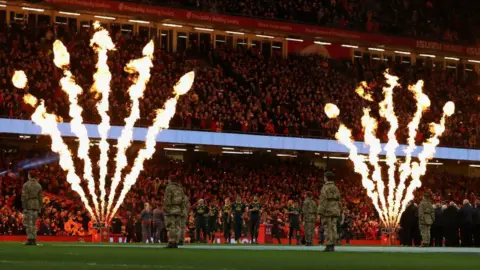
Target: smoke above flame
x=391, y=203
x=104, y=206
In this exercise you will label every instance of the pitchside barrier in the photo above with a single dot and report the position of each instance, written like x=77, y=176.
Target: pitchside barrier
x=102, y=235
x=388, y=237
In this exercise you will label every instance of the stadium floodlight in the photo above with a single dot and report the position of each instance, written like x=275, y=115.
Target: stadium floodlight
x=172, y=25
x=286, y=155
x=33, y=9
x=474, y=61
x=294, y=39
x=435, y=163
x=474, y=165
x=340, y=158
x=349, y=46
x=235, y=33
x=105, y=17
x=237, y=152
x=452, y=58
x=322, y=43
x=376, y=49
x=175, y=149
x=427, y=55
x=203, y=29
x=402, y=52
x=2, y=5
x=69, y=13
x=265, y=36
x=228, y=148
x=139, y=21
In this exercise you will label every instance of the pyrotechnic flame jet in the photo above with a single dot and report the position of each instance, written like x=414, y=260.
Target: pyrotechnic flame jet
x=141, y=66
x=73, y=90
x=48, y=124
x=102, y=43
x=391, y=208
x=160, y=123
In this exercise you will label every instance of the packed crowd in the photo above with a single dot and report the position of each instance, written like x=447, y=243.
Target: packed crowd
x=213, y=179
x=446, y=20
x=235, y=90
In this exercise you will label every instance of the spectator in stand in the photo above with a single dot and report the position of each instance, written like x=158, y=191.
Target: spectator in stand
x=448, y=20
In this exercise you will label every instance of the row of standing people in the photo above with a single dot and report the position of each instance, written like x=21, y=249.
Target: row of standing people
x=437, y=225
x=176, y=209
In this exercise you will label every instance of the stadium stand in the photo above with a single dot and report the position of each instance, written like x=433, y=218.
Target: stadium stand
x=235, y=90
x=276, y=181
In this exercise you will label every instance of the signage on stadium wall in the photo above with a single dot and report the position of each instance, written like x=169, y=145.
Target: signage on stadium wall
x=27, y=127
x=245, y=22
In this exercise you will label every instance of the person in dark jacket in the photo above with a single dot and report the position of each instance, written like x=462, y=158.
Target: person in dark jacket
x=406, y=223
x=450, y=217
x=437, y=227
x=476, y=220
x=158, y=224
x=417, y=237
x=466, y=224
x=130, y=229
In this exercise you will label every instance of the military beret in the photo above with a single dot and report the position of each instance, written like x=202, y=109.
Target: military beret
x=329, y=175
x=32, y=174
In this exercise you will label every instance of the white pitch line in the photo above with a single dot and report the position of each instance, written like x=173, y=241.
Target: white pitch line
x=94, y=264
x=359, y=249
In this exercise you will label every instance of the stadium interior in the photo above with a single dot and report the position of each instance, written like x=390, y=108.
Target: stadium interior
x=253, y=123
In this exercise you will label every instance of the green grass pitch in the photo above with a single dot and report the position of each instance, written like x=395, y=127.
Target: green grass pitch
x=54, y=256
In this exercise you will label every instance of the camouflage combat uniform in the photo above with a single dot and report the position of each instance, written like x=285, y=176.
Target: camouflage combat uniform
x=309, y=216
x=186, y=210
x=426, y=217
x=32, y=200
x=329, y=210
x=174, y=203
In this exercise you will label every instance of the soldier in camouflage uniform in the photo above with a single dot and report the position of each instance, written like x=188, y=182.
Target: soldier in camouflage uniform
x=329, y=210
x=32, y=200
x=174, y=203
x=309, y=216
x=186, y=211
x=426, y=217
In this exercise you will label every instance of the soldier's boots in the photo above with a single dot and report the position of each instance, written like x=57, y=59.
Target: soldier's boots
x=31, y=242
x=171, y=245
x=329, y=248
x=180, y=243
